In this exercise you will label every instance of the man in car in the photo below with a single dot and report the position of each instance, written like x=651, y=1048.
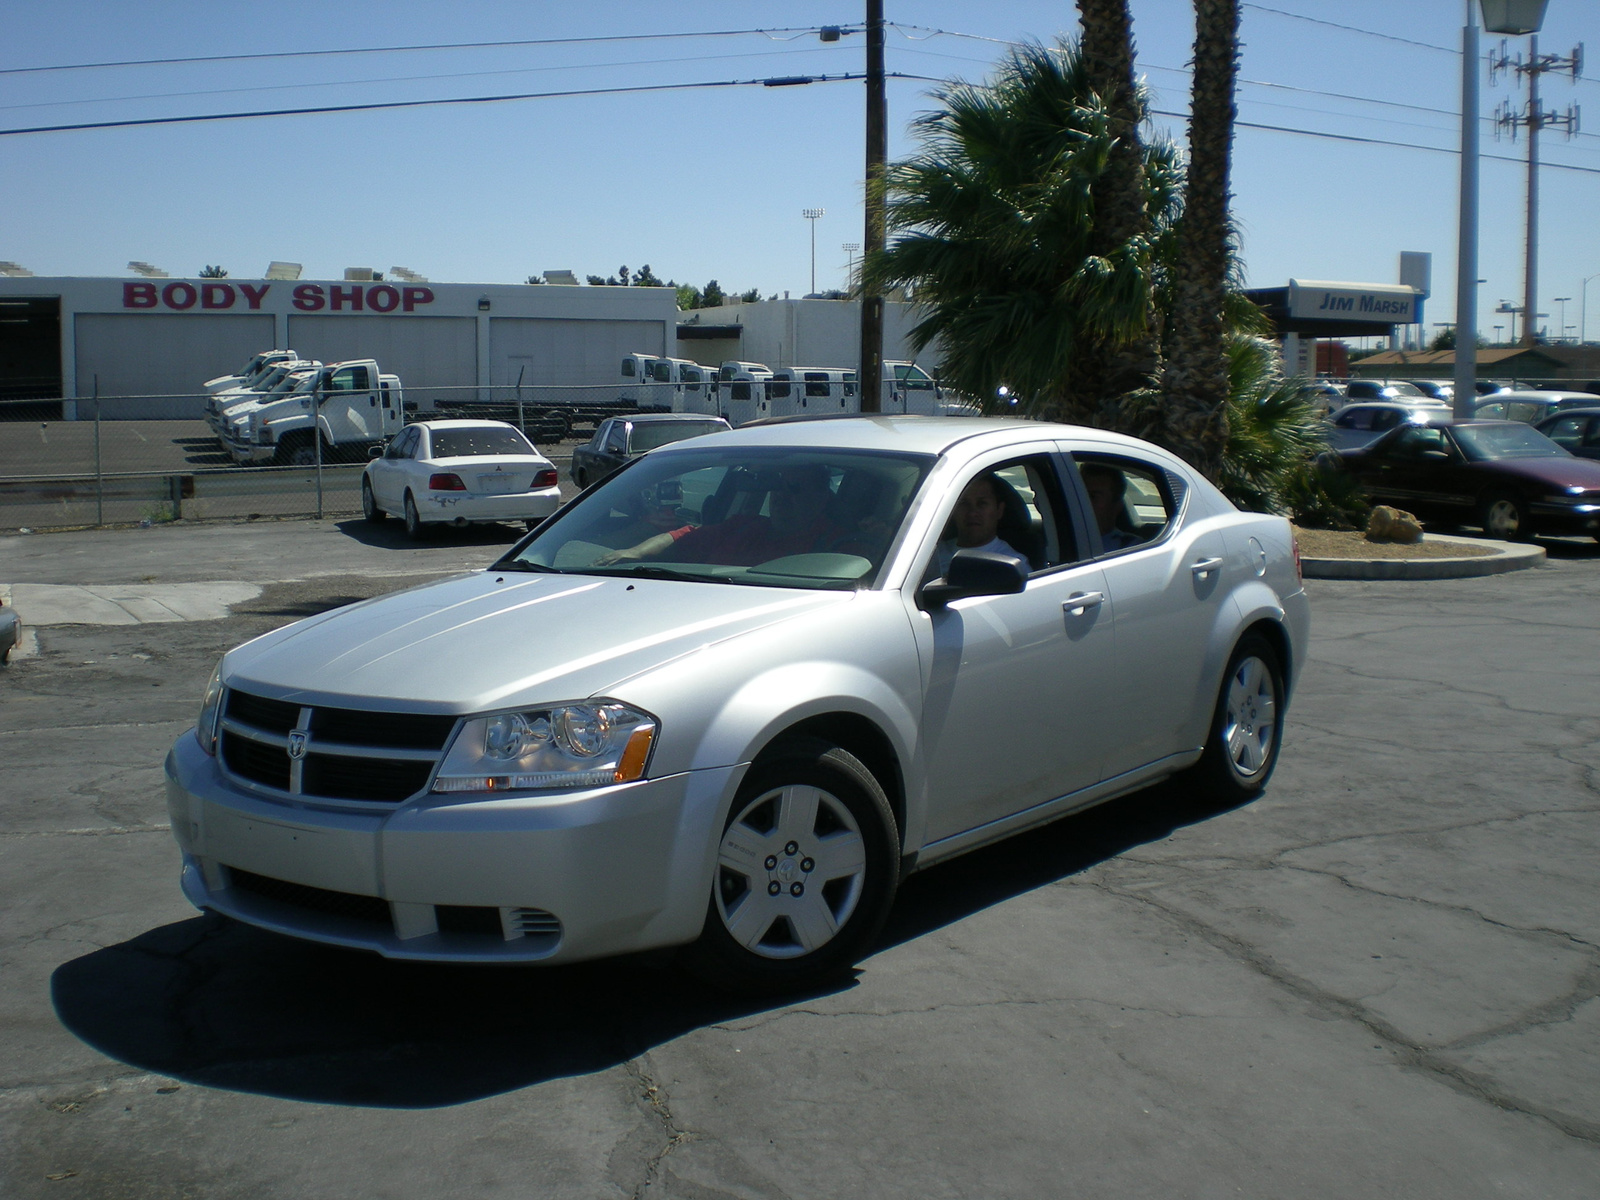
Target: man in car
x=1106, y=487
x=976, y=523
x=799, y=524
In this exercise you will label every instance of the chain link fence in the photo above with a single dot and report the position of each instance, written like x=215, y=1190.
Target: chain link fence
x=110, y=466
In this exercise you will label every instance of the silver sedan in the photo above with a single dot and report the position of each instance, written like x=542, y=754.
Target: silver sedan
x=730, y=697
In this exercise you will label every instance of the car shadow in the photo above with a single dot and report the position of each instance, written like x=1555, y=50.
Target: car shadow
x=224, y=1005
x=202, y=452
x=391, y=534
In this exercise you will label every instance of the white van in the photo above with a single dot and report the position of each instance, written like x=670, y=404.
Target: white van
x=637, y=379
x=742, y=391
x=796, y=391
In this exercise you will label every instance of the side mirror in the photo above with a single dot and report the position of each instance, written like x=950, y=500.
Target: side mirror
x=976, y=573
x=376, y=451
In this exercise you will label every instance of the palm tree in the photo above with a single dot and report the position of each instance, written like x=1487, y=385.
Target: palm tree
x=1121, y=220
x=992, y=224
x=1193, y=416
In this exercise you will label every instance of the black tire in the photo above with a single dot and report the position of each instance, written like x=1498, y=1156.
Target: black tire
x=369, y=503
x=1246, y=728
x=555, y=425
x=1506, y=518
x=807, y=868
x=415, y=529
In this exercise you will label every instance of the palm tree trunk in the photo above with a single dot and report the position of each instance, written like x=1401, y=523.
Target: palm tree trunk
x=1195, y=377
x=1121, y=220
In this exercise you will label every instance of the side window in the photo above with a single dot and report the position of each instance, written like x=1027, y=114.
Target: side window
x=1131, y=503
x=617, y=439
x=1357, y=418
x=1568, y=432
x=1014, y=508
x=778, y=389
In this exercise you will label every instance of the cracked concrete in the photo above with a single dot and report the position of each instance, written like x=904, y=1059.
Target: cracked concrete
x=1382, y=978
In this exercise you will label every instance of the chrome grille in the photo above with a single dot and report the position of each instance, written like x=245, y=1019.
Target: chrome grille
x=330, y=753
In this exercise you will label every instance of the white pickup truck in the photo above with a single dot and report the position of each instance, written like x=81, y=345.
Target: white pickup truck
x=253, y=369
x=356, y=408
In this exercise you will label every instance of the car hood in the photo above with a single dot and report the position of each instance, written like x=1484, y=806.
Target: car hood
x=1556, y=473
x=494, y=639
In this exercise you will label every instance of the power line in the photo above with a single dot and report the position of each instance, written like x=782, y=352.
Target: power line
x=781, y=81
x=220, y=58
x=1388, y=37
x=289, y=87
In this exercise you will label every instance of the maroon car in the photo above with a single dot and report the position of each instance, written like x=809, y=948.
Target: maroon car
x=1502, y=475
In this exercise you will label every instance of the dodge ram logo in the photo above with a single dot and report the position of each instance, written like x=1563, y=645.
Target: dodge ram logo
x=298, y=740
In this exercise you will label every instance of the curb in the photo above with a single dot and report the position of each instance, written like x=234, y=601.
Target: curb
x=1507, y=556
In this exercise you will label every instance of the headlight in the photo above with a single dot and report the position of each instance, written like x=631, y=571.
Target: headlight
x=205, y=729
x=583, y=744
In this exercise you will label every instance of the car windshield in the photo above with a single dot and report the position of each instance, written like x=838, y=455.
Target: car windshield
x=478, y=443
x=647, y=435
x=1486, y=442
x=1404, y=389
x=796, y=518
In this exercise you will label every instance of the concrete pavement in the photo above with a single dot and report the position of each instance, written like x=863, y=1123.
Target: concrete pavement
x=1382, y=978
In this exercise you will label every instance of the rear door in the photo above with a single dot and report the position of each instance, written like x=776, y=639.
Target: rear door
x=1169, y=580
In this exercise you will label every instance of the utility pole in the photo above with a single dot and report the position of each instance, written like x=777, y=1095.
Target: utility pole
x=1466, y=355
x=1533, y=119
x=877, y=159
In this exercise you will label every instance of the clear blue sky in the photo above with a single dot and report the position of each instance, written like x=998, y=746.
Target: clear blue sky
x=710, y=183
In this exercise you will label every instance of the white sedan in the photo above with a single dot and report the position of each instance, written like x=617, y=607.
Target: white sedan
x=460, y=473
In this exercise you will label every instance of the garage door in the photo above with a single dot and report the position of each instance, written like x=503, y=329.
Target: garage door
x=435, y=357
x=151, y=365
x=582, y=358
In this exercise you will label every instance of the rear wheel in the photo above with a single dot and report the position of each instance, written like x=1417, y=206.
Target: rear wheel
x=806, y=871
x=1246, y=728
x=414, y=526
x=369, y=503
x=1506, y=518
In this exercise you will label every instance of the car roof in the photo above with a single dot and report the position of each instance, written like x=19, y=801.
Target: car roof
x=465, y=423
x=1542, y=394
x=667, y=418
x=1415, y=404
x=909, y=434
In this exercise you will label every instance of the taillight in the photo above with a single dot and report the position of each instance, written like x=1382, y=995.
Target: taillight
x=1294, y=544
x=446, y=482
x=546, y=479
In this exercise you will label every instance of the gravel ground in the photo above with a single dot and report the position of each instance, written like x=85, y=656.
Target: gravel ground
x=1342, y=543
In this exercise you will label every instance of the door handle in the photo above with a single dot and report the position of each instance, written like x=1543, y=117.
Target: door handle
x=1081, y=602
x=1206, y=565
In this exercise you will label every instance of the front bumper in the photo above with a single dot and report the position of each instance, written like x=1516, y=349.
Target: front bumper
x=466, y=507
x=1560, y=517
x=530, y=877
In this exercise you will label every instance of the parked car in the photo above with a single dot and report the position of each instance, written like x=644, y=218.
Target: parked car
x=1577, y=430
x=1436, y=389
x=743, y=739
x=1531, y=406
x=1360, y=424
x=459, y=473
x=10, y=631
x=622, y=439
x=1504, y=476
x=1383, y=389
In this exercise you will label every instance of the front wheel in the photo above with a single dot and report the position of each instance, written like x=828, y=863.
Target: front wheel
x=1246, y=728
x=806, y=871
x=369, y=504
x=1504, y=517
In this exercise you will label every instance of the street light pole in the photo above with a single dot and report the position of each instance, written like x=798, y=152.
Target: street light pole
x=1583, y=312
x=1562, y=300
x=850, y=249
x=811, y=214
x=1466, y=373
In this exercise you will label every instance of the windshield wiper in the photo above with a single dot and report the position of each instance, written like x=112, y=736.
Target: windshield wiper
x=522, y=564
x=650, y=571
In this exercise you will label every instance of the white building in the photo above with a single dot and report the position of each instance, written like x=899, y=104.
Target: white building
x=794, y=333
x=155, y=341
